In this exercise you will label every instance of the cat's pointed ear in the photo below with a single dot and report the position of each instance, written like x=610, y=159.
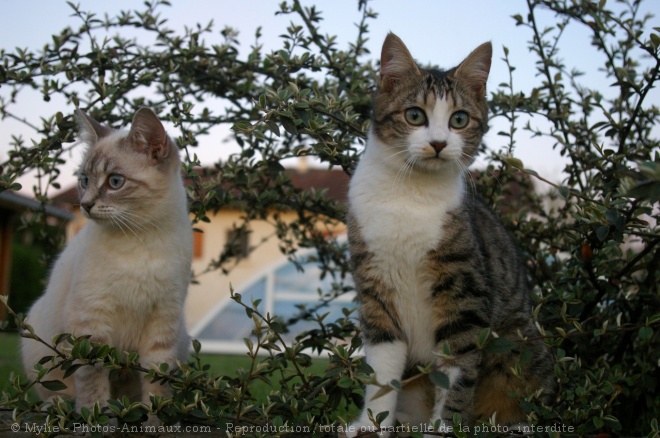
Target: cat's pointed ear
x=396, y=63
x=89, y=130
x=147, y=135
x=473, y=71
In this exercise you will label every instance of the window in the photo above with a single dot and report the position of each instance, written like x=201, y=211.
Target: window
x=280, y=290
x=198, y=244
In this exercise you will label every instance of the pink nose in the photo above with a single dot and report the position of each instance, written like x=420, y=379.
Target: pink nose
x=87, y=206
x=438, y=146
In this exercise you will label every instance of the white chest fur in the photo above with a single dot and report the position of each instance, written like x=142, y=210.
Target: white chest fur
x=401, y=219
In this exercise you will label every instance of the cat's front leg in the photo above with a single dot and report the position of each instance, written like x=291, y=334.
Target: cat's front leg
x=92, y=382
x=92, y=386
x=388, y=360
x=159, y=352
x=459, y=397
x=161, y=343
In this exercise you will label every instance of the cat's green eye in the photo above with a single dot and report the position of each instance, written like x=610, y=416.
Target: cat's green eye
x=116, y=181
x=83, y=180
x=459, y=120
x=415, y=116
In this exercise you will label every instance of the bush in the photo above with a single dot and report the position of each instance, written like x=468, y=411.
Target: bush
x=591, y=242
x=34, y=248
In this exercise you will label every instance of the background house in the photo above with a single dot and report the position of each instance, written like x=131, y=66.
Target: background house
x=13, y=208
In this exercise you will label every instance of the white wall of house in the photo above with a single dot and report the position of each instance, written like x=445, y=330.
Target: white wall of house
x=214, y=286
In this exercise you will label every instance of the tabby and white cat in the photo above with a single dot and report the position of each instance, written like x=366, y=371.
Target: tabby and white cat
x=123, y=279
x=432, y=264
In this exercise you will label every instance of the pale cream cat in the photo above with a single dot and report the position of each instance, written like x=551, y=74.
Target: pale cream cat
x=123, y=279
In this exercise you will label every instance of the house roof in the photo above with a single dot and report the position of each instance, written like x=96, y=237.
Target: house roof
x=67, y=197
x=334, y=181
x=10, y=200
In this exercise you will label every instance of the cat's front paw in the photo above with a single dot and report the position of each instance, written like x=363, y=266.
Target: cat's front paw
x=362, y=429
x=440, y=426
x=357, y=430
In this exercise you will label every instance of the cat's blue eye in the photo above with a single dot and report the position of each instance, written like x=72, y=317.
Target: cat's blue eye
x=83, y=180
x=415, y=116
x=459, y=120
x=116, y=181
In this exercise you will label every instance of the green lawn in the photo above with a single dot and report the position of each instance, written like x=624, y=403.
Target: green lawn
x=10, y=358
x=221, y=365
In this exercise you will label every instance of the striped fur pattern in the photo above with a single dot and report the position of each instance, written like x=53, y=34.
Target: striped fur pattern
x=124, y=277
x=433, y=266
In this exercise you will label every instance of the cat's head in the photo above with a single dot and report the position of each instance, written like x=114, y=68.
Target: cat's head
x=126, y=178
x=431, y=119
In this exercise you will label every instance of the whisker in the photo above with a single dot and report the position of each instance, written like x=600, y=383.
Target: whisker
x=411, y=166
x=463, y=169
x=466, y=171
x=145, y=222
x=396, y=178
x=123, y=221
x=142, y=218
x=118, y=224
x=138, y=229
x=406, y=168
x=402, y=151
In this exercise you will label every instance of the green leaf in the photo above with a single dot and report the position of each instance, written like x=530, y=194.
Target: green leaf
x=525, y=355
x=197, y=346
x=60, y=338
x=500, y=345
x=655, y=40
x=513, y=162
x=612, y=422
x=345, y=382
x=198, y=414
x=439, y=379
x=81, y=349
x=483, y=337
x=598, y=422
x=53, y=385
x=653, y=319
x=648, y=190
x=289, y=125
x=72, y=369
x=645, y=333
x=45, y=359
x=275, y=167
x=278, y=327
x=531, y=172
x=602, y=232
x=382, y=416
x=274, y=127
